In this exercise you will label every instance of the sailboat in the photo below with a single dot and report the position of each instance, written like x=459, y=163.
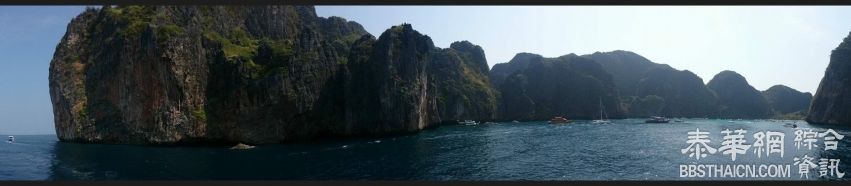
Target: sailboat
x=603, y=118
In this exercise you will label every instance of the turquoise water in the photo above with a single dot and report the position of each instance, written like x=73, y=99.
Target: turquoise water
x=624, y=150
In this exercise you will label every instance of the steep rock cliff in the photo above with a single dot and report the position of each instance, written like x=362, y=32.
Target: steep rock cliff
x=647, y=88
x=265, y=74
x=569, y=86
x=785, y=100
x=683, y=94
x=832, y=101
x=627, y=68
x=519, y=62
x=738, y=99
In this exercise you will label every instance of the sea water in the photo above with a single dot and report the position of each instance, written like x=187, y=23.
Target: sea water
x=626, y=149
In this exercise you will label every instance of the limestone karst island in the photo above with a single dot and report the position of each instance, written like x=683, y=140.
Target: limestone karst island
x=277, y=74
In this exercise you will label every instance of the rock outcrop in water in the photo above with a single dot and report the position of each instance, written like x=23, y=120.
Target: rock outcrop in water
x=203, y=74
x=787, y=102
x=738, y=99
x=832, y=101
x=538, y=88
x=647, y=88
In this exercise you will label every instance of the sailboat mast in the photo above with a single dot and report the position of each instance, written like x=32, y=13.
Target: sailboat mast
x=601, y=108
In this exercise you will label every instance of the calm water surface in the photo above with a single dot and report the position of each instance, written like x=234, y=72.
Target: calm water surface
x=625, y=150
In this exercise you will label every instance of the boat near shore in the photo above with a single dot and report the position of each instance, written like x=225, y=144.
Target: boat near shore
x=657, y=119
x=242, y=146
x=559, y=120
x=468, y=122
x=604, y=119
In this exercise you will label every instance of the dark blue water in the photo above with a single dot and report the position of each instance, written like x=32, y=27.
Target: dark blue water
x=624, y=150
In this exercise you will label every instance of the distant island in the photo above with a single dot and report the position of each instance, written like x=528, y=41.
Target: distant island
x=272, y=74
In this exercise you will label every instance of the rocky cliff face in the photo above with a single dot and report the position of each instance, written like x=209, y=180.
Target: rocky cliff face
x=396, y=74
x=569, y=86
x=738, y=99
x=406, y=72
x=460, y=76
x=832, y=102
x=651, y=89
x=186, y=74
x=682, y=92
x=785, y=100
x=501, y=71
x=645, y=89
x=627, y=69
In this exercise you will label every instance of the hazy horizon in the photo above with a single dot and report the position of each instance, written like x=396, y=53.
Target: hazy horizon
x=787, y=45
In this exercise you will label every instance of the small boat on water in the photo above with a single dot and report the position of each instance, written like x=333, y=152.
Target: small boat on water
x=657, y=119
x=515, y=121
x=468, y=122
x=790, y=125
x=558, y=120
x=11, y=139
x=601, y=121
x=241, y=146
x=603, y=117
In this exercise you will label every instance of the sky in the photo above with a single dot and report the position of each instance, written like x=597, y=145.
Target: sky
x=28, y=38
x=768, y=45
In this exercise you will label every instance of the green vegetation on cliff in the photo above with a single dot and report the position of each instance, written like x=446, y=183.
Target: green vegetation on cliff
x=237, y=43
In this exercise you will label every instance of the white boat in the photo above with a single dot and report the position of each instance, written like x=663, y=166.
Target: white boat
x=468, y=122
x=11, y=139
x=559, y=120
x=601, y=121
x=657, y=119
x=603, y=117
